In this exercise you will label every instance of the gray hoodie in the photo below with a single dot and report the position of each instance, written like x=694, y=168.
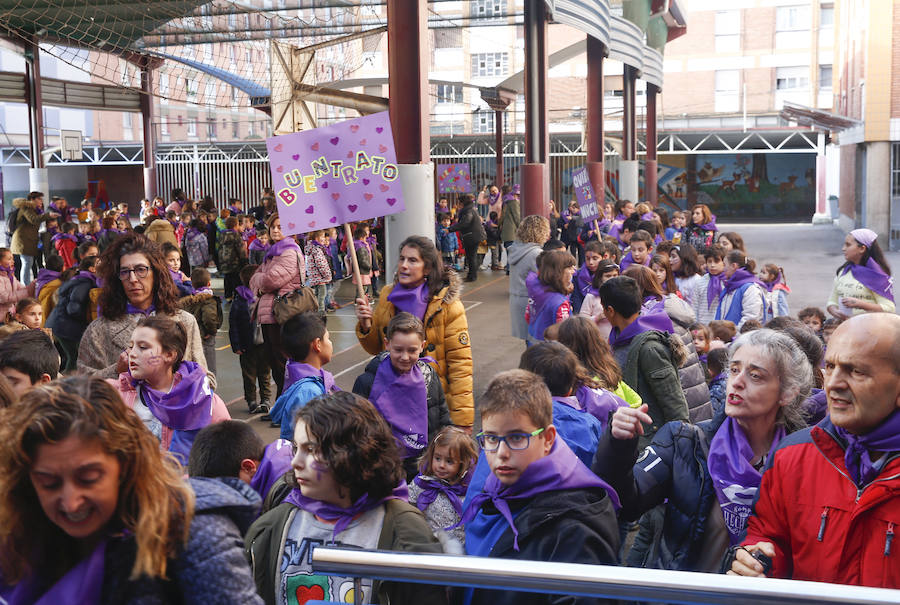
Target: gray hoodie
x=522, y=260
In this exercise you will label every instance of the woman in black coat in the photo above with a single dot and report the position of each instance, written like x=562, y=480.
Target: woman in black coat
x=472, y=231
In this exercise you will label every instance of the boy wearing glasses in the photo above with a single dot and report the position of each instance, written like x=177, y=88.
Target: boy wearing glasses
x=540, y=503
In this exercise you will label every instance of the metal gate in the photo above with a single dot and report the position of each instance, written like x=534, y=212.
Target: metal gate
x=223, y=172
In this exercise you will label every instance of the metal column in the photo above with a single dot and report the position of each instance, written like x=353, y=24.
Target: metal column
x=498, y=145
x=38, y=177
x=650, y=164
x=150, y=188
x=535, y=176
x=628, y=167
x=596, y=51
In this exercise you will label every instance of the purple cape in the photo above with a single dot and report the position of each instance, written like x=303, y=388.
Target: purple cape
x=583, y=280
x=132, y=310
x=10, y=273
x=739, y=278
x=188, y=406
x=402, y=400
x=343, y=516
x=716, y=285
x=885, y=438
x=644, y=323
x=599, y=403
x=258, y=245
x=81, y=585
x=295, y=370
x=279, y=248
x=88, y=275
x=432, y=486
x=275, y=462
x=412, y=300
x=872, y=276
x=628, y=260
x=245, y=293
x=734, y=478
x=44, y=277
x=558, y=470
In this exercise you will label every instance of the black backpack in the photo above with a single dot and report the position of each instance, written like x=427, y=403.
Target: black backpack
x=11, y=221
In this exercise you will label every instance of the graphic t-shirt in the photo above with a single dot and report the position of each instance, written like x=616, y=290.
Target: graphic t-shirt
x=297, y=583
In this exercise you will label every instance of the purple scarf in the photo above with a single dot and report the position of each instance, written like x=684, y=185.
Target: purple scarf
x=885, y=438
x=132, y=310
x=188, y=406
x=872, y=276
x=734, y=478
x=10, y=273
x=412, y=300
x=258, y=245
x=710, y=226
x=281, y=247
x=295, y=370
x=245, y=293
x=88, y=275
x=81, y=585
x=628, y=260
x=403, y=401
x=558, y=470
x=276, y=461
x=60, y=236
x=432, y=486
x=44, y=277
x=599, y=403
x=343, y=516
x=583, y=280
x=644, y=323
x=716, y=285
x=739, y=278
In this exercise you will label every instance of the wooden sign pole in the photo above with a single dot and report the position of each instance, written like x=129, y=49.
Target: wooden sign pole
x=351, y=249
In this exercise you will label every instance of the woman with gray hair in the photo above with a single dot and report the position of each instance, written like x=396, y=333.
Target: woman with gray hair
x=709, y=473
x=532, y=234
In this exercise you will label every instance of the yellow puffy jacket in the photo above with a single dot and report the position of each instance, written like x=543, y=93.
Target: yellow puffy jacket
x=447, y=336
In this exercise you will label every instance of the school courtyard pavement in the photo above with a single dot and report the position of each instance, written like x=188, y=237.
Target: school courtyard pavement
x=809, y=254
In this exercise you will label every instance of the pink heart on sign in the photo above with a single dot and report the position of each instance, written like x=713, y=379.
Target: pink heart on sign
x=310, y=209
x=354, y=127
x=382, y=148
x=279, y=169
x=368, y=196
x=279, y=147
x=365, y=181
x=335, y=140
x=391, y=201
x=333, y=219
x=291, y=225
x=362, y=142
x=349, y=154
x=312, y=223
x=314, y=146
x=335, y=196
x=295, y=157
x=379, y=130
x=383, y=187
x=324, y=185
x=352, y=207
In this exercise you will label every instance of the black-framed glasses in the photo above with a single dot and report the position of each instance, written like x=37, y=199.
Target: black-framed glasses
x=140, y=271
x=514, y=441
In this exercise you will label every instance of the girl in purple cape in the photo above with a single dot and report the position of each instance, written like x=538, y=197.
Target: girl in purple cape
x=863, y=283
x=708, y=474
x=348, y=490
x=91, y=512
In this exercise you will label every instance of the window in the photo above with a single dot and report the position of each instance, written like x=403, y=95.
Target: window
x=164, y=126
x=211, y=128
x=192, y=127
x=127, y=125
x=449, y=37
x=895, y=169
x=728, y=31
x=164, y=88
x=250, y=128
x=208, y=54
x=489, y=64
x=826, y=15
x=126, y=76
x=483, y=121
x=727, y=97
x=232, y=21
x=210, y=93
x=234, y=96
x=825, y=76
x=792, y=18
x=232, y=56
x=190, y=88
x=449, y=93
x=486, y=9
x=235, y=129
x=792, y=78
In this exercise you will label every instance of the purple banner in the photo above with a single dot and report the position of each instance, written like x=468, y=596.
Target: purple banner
x=584, y=193
x=454, y=178
x=336, y=174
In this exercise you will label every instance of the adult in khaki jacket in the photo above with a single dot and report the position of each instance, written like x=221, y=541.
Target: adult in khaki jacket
x=24, y=242
x=423, y=288
x=161, y=231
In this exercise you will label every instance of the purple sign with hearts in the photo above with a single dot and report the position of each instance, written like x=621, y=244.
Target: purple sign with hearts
x=584, y=193
x=335, y=174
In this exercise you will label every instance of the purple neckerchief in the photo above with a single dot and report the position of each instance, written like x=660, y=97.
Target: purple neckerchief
x=884, y=438
x=81, y=585
x=628, y=260
x=276, y=461
x=558, y=470
x=59, y=236
x=188, y=406
x=281, y=247
x=734, y=478
x=771, y=285
x=295, y=370
x=10, y=273
x=720, y=376
x=132, y=310
x=432, y=486
x=873, y=277
x=245, y=293
x=343, y=517
x=44, y=277
x=509, y=197
x=710, y=226
x=739, y=278
x=647, y=216
x=402, y=400
x=235, y=210
x=571, y=401
x=716, y=285
x=360, y=244
x=643, y=323
x=583, y=279
x=247, y=234
x=599, y=403
x=88, y=275
x=258, y=245
x=412, y=300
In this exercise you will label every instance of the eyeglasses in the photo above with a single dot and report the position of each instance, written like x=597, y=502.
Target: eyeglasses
x=140, y=271
x=514, y=441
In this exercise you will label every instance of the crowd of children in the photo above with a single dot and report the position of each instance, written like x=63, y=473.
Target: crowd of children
x=630, y=324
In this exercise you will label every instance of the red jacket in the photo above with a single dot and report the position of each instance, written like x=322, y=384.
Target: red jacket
x=66, y=249
x=822, y=526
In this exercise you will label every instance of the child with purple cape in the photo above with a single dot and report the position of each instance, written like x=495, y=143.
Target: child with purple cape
x=863, y=284
x=406, y=389
x=333, y=502
x=541, y=503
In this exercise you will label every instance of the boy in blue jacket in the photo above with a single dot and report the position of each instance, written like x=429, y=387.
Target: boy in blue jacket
x=253, y=357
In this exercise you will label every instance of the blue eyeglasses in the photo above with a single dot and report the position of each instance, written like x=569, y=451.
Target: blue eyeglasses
x=514, y=441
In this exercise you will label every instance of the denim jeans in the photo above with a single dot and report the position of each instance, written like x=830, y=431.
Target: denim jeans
x=27, y=264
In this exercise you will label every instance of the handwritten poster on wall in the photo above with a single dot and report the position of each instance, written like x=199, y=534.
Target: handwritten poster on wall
x=454, y=178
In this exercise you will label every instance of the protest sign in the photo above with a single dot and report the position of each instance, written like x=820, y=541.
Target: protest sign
x=584, y=193
x=454, y=178
x=336, y=174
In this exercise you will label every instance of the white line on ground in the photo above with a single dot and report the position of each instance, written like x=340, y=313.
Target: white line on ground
x=353, y=367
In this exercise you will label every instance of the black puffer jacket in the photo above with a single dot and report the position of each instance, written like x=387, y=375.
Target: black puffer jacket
x=438, y=413
x=469, y=225
x=690, y=373
x=71, y=315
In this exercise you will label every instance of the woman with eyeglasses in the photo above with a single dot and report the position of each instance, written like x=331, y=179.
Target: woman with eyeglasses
x=136, y=284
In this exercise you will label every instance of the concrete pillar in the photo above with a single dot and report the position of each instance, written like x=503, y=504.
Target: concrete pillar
x=596, y=51
x=498, y=145
x=628, y=166
x=535, y=175
x=650, y=161
x=39, y=180
x=37, y=175
x=409, y=109
x=149, y=142
x=823, y=213
x=877, y=216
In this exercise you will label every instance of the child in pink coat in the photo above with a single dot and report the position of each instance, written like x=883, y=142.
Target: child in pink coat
x=11, y=289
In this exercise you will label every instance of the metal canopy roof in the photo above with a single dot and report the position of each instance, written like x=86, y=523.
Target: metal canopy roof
x=818, y=118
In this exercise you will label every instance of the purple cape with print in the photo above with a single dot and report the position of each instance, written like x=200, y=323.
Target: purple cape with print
x=403, y=401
